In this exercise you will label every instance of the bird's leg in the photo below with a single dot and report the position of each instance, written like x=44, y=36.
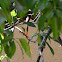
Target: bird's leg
x=27, y=19
x=27, y=33
x=27, y=36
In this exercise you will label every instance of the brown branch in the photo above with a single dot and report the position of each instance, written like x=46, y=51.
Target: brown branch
x=24, y=34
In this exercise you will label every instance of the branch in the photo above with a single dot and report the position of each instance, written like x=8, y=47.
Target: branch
x=22, y=32
x=32, y=36
x=43, y=44
x=40, y=56
x=26, y=35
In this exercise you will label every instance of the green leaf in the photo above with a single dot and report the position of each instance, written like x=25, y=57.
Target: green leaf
x=2, y=20
x=1, y=47
x=52, y=51
x=59, y=24
x=41, y=22
x=33, y=34
x=49, y=13
x=60, y=5
x=25, y=46
x=59, y=19
x=44, y=28
x=44, y=3
x=40, y=4
x=20, y=48
x=2, y=17
x=35, y=7
x=5, y=7
x=53, y=24
x=10, y=49
x=13, y=13
x=29, y=24
x=2, y=28
x=59, y=13
x=8, y=32
x=39, y=39
x=23, y=29
x=8, y=38
x=28, y=4
x=22, y=13
x=60, y=42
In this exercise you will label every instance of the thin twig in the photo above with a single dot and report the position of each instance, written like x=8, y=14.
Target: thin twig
x=21, y=32
x=25, y=34
x=32, y=36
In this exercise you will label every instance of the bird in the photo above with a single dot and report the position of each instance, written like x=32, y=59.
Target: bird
x=29, y=15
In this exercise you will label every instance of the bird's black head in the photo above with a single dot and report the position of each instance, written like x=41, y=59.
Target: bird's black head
x=30, y=13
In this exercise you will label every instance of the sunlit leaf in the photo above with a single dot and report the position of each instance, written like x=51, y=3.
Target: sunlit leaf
x=2, y=57
x=32, y=36
x=1, y=37
x=26, y=46
x=13, y=13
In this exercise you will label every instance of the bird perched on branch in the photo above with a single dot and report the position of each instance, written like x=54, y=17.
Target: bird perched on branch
x=29, y=15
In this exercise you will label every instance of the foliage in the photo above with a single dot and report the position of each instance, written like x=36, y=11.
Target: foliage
x=51, y=16
x=29, y=24
x=50, y=48
x=26, y=46
x=10, y=49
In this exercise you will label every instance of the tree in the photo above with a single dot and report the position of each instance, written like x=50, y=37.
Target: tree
x=49, y=21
